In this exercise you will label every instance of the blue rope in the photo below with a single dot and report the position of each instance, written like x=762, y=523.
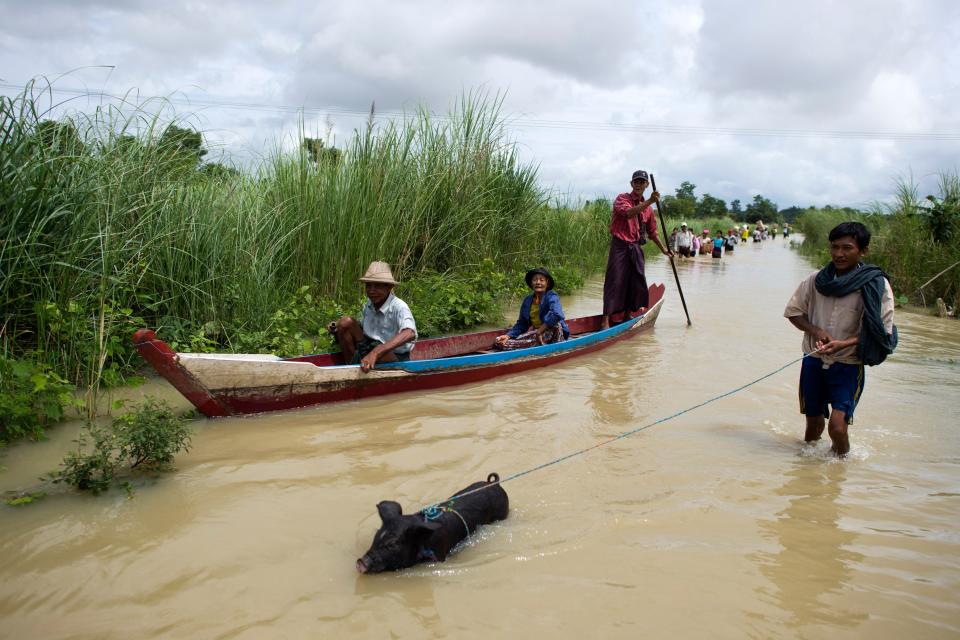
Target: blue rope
x=433, y=512
x=626, y=434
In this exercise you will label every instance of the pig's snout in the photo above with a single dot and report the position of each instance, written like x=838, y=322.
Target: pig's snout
x=362, y=565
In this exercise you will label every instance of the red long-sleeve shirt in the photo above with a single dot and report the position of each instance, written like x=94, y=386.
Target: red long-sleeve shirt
x=635, y=228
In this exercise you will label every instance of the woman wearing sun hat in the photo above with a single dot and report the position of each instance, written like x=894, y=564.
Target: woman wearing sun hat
x=541, y=316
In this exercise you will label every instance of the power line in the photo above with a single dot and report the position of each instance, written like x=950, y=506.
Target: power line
x=537, y=123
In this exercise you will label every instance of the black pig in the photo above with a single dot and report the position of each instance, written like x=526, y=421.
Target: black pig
x=403, y=541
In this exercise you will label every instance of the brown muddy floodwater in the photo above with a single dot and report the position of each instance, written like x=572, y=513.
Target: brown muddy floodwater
x=717, y=524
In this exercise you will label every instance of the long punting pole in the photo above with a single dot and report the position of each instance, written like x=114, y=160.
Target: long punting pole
x=666, y=238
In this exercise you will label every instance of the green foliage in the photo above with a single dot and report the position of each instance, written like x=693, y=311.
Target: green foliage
x=31, y=398
x=219, y=171
x=566, y=279
x=686, y=191
x=151, y=436
x=186, y=142
x=445, y=302
x=790, y=214
x=441, y=303
x=903, y=244
x=93, y=466
x=318, y=152
x=84, y=334
x=683, y=205
x=943, y=212
x=761, y=209
x=711, y=207
x=146, y=439
x=26, y=498
x=59, y=137
x=299, y=327
x=111, y=223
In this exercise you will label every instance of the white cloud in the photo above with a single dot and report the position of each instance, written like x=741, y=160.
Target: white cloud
x=713, y=64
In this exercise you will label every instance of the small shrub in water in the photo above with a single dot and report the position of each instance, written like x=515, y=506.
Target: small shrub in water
x=151, y=436
x=145, y=439
x=94, y=470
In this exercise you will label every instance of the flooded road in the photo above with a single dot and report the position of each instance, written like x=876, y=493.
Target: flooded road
x=719, y=523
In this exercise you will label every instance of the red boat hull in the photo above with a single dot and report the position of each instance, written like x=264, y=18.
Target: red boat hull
x=235, y=384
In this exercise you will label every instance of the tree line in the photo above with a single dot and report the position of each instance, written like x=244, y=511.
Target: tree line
x=686, y=204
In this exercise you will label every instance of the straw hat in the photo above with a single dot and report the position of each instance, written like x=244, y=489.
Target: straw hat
x=378, y=272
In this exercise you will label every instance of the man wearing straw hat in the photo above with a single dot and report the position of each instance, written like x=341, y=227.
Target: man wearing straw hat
x=387, y=330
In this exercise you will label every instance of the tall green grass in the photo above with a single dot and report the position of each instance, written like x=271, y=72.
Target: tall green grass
x=106, y=227
x=914, y=239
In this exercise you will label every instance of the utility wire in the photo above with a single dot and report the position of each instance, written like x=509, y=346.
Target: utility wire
x=538, y=123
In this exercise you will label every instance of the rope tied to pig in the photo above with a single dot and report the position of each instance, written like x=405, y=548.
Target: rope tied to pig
x=439, y=506
x=434, y=512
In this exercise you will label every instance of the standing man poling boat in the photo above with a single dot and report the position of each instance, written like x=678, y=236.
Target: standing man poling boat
x=632, y=223
x=386, y=331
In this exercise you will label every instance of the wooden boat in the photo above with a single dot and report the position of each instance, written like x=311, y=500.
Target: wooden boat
x=234, y=384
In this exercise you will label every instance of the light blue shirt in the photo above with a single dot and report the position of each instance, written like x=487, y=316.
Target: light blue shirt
x=393, y=316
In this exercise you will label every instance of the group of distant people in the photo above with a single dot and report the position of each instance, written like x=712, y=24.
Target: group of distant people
x=845, y=310
x=686, y=243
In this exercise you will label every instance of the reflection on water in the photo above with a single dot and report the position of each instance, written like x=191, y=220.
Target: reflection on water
x=414, y=594
x=814, y=563
x=718, y=523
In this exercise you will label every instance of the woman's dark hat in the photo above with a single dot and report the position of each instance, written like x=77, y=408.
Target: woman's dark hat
x=542, y=272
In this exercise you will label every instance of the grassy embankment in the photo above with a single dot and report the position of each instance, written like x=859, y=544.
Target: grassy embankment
x=914, y=240
x=108, y=225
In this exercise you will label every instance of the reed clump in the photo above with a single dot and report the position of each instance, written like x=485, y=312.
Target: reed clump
x=110, y=221
x=916, y=240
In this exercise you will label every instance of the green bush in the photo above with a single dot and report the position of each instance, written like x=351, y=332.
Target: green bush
x=910, y=240
x=94, y=469
x=296, y=328
x=114, y=225
x=446, y=302
x=31, y=398
x=943, y=212
x=151, y=436
x=146, y=439
x=441, y=303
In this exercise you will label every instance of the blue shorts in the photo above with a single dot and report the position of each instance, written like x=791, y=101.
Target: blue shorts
x=839, y=386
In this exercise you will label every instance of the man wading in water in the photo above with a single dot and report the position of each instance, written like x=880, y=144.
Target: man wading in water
x=845, y=311
x=625, y=284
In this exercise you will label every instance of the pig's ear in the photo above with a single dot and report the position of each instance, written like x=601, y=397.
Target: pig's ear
x=389, y=510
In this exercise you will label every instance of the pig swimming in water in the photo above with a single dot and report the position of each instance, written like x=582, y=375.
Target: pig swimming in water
x=403, y=541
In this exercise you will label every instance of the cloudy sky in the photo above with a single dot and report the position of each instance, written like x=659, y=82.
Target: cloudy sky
x=816, y=102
